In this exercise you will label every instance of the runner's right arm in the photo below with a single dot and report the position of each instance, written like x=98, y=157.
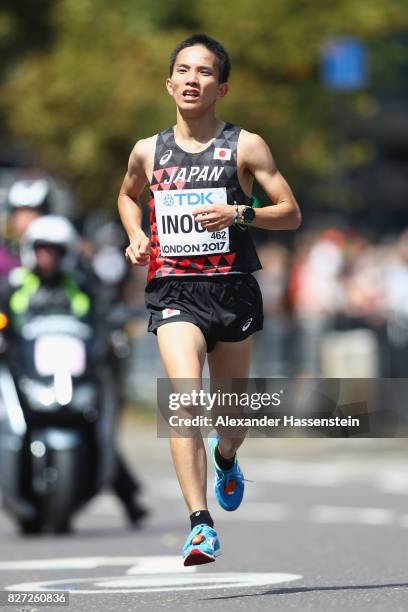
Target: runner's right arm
x=130, y=209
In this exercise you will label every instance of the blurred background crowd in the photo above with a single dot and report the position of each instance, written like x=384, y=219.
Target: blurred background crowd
x=323, y=83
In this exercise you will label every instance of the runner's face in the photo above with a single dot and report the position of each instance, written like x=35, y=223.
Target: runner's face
x=194, y=83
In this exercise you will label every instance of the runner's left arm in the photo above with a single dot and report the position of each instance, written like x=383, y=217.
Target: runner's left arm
x=256, y=159
x=284, y=212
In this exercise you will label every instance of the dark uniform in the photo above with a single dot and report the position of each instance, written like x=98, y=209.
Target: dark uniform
x=194, y=275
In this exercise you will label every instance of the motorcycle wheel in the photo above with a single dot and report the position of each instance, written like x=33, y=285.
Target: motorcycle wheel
x=29, y=527
x=58, y=504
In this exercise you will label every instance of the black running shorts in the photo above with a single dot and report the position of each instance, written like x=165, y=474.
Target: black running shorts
x=226, y=308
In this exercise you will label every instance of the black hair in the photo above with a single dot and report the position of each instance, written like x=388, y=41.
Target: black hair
x=224, y=63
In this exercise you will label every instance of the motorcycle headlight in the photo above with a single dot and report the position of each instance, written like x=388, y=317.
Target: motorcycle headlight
x=42, y=397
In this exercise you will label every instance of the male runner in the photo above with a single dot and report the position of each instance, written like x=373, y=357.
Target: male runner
x=200, y=292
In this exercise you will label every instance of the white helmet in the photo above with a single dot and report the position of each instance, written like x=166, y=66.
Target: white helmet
x=32, y=193
x=50, y=230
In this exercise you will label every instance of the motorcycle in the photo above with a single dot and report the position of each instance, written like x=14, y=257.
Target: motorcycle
x=58, y=411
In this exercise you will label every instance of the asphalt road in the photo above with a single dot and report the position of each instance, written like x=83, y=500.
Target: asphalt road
x=324, y=526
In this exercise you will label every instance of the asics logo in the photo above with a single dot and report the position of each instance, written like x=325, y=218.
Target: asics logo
x=247, y=324
x=165, y=157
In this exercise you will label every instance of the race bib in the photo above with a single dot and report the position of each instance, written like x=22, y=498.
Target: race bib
x=179, y=233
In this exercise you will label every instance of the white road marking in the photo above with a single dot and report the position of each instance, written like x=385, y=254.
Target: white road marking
x=140, y=565
x=270, y=512
x=385, y=475
x=260, y=511
x=171, y=539
x=360, y=516
x=159, y=565
x=158, y=583
x=403, y=521
x=393, y=481
x=299, y=473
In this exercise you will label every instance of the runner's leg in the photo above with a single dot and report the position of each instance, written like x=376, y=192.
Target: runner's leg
x=230, y=360
x=183, y=350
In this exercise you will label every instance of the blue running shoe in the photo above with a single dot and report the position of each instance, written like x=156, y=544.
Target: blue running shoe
x=229, y=484
x=202, y=546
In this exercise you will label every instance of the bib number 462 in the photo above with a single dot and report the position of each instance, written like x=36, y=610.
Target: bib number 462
x=220, y=235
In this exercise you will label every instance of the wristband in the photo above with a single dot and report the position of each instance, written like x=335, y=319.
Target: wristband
x=236, y=215
x=241, y=224
x=237, y=222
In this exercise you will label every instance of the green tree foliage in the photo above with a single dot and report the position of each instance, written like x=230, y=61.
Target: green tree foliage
x=24, y=27
x=82, y=102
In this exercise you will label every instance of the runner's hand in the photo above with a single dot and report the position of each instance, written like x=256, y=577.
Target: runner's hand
x=215, y=216
x=138, y=250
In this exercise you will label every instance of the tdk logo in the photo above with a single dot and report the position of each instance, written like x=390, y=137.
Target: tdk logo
x=192, y=199
x=182, y=199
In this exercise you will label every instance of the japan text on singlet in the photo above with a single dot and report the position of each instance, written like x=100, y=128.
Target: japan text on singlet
x=182, y=181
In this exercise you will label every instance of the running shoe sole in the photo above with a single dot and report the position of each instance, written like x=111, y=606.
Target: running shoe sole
x=198, y=557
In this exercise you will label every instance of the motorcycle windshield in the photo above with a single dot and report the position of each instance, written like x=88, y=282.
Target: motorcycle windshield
x=59, y=352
